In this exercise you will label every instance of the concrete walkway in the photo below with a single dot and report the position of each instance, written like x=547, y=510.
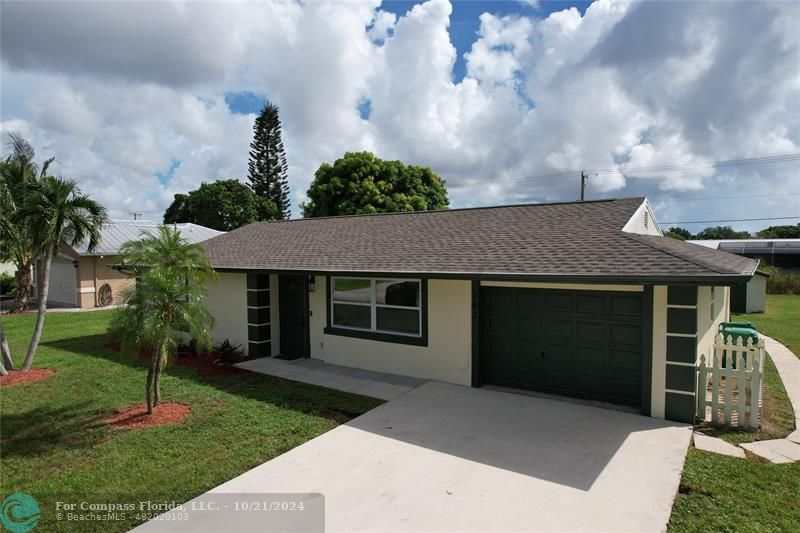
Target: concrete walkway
x=342, y=378
x=782, y=450
x=450, y=458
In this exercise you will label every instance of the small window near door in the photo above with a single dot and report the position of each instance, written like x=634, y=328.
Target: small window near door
x=381, y=306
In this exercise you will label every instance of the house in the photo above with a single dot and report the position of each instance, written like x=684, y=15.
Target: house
x=782, y=253
x=580, y=299
x=79, y=278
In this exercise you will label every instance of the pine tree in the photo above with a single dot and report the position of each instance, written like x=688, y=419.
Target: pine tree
x=267, y=169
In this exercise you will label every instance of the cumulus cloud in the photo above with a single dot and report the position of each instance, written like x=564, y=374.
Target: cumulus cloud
x=125, y=92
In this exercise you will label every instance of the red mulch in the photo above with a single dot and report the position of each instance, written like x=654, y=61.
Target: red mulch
x=15, y=377
x=207, y=364
x=136, y=417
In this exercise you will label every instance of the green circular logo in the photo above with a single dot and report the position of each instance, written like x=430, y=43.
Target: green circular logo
x=20, y=512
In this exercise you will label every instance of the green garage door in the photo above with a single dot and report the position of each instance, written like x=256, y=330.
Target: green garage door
x=586, y=344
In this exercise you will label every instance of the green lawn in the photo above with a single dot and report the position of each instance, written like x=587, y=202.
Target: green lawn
x=56, y=446
x=720, y=493
x=781, y=321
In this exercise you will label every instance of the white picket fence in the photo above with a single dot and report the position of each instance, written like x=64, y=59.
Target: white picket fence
x=729, y=386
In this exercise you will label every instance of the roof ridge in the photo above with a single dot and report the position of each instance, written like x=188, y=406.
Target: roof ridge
x=448, y=210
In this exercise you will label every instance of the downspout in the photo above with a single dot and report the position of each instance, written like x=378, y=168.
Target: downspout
x=94, y=277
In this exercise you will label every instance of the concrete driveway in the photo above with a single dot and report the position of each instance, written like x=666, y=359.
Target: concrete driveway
x=450, y=458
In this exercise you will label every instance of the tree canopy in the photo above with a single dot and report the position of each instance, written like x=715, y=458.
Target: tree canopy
x=780, y=232
x=222, y=205
x=360, y=183
x=681, y=234
x=267, y=168
x=722, y=232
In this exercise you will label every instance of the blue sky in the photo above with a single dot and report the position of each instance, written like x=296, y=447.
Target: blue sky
x=138, y=102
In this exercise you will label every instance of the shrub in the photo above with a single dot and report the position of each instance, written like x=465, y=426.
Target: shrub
x=228, y=354
x=781, y=281
x=8, y=285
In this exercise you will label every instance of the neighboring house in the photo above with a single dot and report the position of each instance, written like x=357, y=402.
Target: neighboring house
x=782, y=253
x=577, y=299
x=82, y=279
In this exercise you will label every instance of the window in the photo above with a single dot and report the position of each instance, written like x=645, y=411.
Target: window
x=380, y=306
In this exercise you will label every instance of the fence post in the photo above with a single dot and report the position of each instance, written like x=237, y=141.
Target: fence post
x=741, y=387
x=715, y=370
x=755, y=385
x=702, y=386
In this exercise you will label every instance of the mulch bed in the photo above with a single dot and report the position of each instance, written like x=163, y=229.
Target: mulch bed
x=136, y=417
x=16, y=377
x=207, y=365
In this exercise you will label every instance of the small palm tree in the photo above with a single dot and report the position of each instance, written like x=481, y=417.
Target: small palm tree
x=56, y=211
x=165, y=304
x=18, y=173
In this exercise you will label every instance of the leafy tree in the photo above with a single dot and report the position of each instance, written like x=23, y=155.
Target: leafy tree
x=780, y=232
x=360, y=183
x=18, y=173
x=58, y=212
x=267, y=169
x=165, y=302
x=678, y=233
x=222, y=205
x=722, y=232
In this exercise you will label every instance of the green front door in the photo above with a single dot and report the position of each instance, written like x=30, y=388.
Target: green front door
x=586, y=344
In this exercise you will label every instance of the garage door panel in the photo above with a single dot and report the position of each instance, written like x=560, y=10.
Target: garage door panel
x=592, y=304
x=623, y=359
x=591, y=356
x=558, y=301
x=579, y=343
x=626, y=306
x=626, y=334
x=555, y=330
x=591, y=332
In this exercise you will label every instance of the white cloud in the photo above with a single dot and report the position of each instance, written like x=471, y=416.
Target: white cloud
x=120, y=94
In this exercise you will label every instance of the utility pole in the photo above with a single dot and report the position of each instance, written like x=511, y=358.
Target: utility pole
x=584, y=179
x=135, y=215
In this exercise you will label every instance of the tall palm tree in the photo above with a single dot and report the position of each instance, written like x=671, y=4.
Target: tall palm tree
x=18, y=173
x=58, y=212
x=166, y=302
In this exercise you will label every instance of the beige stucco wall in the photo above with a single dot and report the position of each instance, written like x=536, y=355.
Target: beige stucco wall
x=227, y=302
x=659, y=370
x=448, y=356
x=707, y=320
x=93, y=272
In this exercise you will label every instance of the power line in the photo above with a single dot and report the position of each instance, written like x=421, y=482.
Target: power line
x=671, y=199
x=660, y=168
x=729, y=220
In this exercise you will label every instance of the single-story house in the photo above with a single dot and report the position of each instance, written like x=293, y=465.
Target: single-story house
x=584, y=299
x=79, y=278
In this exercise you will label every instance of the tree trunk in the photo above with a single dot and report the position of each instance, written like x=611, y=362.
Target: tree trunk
x=150, y=375
x=162, y=361
x=3, y=371
x=8, y=364
x=23, y=280
x=42, y=298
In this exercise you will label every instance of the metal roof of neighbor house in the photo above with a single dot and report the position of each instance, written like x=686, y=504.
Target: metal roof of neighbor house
x=579, y=240
x=118, y=232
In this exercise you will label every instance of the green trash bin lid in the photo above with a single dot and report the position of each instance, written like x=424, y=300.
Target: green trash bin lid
x=743, y=333
x=737, y=324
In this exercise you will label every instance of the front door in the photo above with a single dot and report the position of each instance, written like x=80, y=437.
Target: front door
x=293, y=302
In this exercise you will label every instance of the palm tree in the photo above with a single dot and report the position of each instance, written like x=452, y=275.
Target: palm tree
x=18, y=173
x=57, y=211
x=165, y=304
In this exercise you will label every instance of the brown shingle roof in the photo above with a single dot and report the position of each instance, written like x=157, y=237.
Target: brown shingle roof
x=566, y=240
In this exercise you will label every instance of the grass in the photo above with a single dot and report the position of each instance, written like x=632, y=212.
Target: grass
x=720, y=493
x=55, y=445
x=781, y=320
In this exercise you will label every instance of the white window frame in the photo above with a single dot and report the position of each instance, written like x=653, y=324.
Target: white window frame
x=374, y=305
x=713, y=304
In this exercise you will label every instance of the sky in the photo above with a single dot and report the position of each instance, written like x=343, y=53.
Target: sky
x=139, y=101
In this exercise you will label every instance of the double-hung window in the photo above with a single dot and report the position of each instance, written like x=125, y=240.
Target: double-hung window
x=377, y=305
